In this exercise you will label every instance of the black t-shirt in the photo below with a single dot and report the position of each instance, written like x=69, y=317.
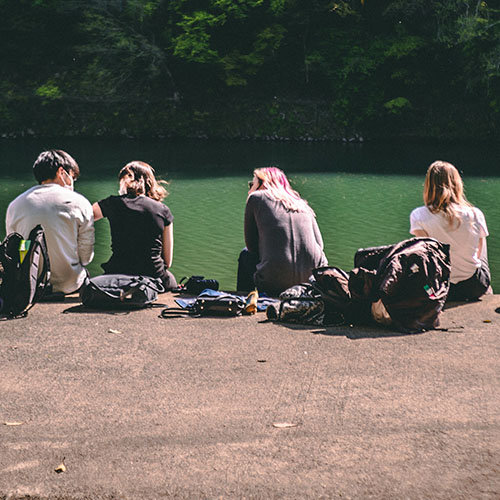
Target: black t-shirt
x=137, y=224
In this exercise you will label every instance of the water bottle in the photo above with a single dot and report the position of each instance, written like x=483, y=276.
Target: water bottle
x=251, y=302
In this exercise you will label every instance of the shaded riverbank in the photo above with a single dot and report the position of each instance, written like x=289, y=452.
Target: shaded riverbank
x=274, y=119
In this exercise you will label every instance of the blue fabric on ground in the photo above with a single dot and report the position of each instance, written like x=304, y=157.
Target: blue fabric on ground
x=262, y=303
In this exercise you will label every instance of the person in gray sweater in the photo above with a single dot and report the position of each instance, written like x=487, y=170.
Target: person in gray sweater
x=282, y=237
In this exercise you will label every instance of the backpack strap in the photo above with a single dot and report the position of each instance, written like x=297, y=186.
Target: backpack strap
x=137, y=283
x=176, y=312
x=43, y=276
x=34, y=268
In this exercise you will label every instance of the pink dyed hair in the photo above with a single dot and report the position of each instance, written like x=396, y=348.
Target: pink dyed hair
x=277, y=187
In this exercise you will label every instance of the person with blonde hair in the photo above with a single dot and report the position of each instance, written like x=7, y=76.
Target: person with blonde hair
x=283, y=240
x=141, y=225
x=448, y=217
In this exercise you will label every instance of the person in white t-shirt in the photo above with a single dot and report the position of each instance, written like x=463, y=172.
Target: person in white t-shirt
x=65, y=216
x=448, y=217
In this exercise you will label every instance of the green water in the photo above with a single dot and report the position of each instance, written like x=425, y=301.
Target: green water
x=362, y=195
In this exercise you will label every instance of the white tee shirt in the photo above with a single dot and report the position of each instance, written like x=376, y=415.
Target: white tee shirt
x=463, y=239
x=68, y=222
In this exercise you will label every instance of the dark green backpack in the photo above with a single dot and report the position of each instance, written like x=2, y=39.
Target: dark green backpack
x=24, y=272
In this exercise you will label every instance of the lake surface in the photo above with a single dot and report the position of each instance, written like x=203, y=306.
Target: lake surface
x=362, y=193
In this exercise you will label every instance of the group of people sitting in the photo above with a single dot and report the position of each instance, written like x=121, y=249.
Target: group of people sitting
x=283, y=240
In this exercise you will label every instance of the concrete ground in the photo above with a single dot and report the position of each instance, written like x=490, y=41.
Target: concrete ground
x=144, y=408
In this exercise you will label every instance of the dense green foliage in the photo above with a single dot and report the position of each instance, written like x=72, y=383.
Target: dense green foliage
x=251, y=67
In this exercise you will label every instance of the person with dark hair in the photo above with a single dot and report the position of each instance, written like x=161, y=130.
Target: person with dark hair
x=142, y=238
x=65, y=216
x=49, y=162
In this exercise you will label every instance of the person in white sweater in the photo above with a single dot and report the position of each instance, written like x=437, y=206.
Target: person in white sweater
x=448, y=217
x=65, y=216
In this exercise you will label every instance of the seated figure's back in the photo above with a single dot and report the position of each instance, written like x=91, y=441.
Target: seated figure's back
x=65, y=216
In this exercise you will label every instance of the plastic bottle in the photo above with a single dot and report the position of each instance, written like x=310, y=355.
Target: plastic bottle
x=251, y=302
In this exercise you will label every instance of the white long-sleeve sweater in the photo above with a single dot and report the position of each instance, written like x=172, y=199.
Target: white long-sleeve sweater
x=68, y=222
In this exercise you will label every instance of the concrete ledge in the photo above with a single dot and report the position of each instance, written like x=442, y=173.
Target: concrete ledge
x=145, y=408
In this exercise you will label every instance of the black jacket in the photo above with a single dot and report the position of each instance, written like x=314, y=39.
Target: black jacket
x=411, y=278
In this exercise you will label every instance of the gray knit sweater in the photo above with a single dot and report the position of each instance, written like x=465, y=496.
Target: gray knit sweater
x=289, y=244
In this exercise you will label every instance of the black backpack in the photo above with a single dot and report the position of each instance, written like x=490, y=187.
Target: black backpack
x=411, y=278
x=24, y=272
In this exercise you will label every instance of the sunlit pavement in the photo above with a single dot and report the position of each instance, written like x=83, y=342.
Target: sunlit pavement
x=138, y=407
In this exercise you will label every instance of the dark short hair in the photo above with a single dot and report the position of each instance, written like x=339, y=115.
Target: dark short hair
x=48, y=162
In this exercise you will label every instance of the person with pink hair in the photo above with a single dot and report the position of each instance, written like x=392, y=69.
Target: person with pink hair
x=282, y=237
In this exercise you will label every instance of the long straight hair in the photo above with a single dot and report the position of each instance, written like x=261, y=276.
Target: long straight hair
x=277, y=187
x=139, y=178
x=444, y=191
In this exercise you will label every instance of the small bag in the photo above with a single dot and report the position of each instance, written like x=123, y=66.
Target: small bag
x=24, y=272
x=196, y=284
x=120, y=291
x=222, y=305
x=208, y=303
x=298, y=304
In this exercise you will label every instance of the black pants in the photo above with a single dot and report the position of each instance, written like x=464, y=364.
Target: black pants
x=473, y=287
x=169, y=281
x=247, y=264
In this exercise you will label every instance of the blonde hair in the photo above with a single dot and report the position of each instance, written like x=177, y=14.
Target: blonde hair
x=275, y=183
x=444, y=191
x=139, y=178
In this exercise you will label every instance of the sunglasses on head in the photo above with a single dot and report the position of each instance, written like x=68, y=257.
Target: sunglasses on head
x=250, y=183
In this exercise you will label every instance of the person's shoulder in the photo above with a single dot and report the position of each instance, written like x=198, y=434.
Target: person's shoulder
x=151, y=202
x=420, y=213
x=255, y=200
x=113, y=198
x=259, y=196
x=22, y=195
x=152, y=205
x=469, y=212
x=78, y=198
x=162, y=206
x=477, y=211
x=478, y=215
x=59, y=196
x=260, y=193
x=25, y=195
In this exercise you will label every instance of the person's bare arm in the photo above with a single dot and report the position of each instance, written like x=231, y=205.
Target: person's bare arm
x=250, y=229
x=97, y=211
x=420, y=233
x=168, y=244
x=86, y=237
x=480, y=248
